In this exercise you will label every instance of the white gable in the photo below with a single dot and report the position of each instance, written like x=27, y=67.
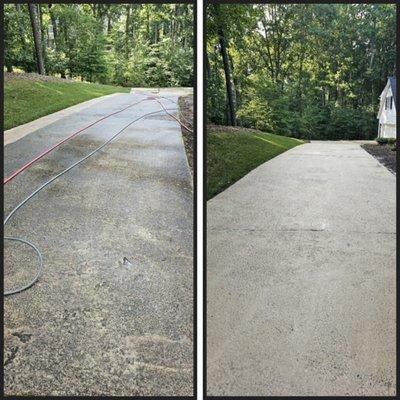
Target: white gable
x=387, y=113
x=382, y=98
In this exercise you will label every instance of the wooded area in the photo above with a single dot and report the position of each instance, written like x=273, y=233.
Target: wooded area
x=123, y=44
x=310, y=71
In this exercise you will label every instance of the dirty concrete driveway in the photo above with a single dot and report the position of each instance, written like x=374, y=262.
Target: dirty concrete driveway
x=301, y=277
x=112, y=313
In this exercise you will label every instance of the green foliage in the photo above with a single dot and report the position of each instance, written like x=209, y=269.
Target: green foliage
x=136, y=73
x=257, y=114
x=18, y=41
x=216, y=101
x=160, y=64
x=56, y=62
x=309, y=71
x=344, y=124
x=233, y=154
x=390, y=142
x=382, y=140
x=178, y=63
x=123, y=44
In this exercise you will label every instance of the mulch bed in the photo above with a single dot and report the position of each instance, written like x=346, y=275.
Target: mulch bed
x=186, y=117
x=384, y=154
x=31, y=76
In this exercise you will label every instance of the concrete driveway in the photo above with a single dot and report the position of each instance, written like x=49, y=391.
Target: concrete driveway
x=113, y=312
x=301, y=277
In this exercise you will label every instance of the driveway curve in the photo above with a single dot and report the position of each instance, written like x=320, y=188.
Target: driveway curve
x=301, y=276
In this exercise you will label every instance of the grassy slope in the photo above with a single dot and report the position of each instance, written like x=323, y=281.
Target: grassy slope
x=233, y=154
x=26, y=101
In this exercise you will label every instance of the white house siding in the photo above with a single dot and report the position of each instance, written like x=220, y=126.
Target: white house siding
x=387, y=118
x=388, y=131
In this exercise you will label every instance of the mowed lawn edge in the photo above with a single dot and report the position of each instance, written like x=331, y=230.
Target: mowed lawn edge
x=233, y=152
x=25, y=101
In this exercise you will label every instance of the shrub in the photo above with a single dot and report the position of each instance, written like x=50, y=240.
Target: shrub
x=344, y=124
x=381, y=140
x=56, y=62
x=391, y=140
x=257, y=114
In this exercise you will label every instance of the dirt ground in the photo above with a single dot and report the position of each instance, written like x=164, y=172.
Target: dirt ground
x=186, y=116
x=384, y=154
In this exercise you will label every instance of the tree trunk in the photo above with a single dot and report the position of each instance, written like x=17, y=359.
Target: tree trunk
x=147, y=22
x=208, y=67
x=174, y=23
x=42, y=31
x=156, y=36
x=37, y=38
x=127, y=30
x=21, y=29
x=54, y=24
x=227, y=69
x=228, y=79
x=236, y=94
x=109, y=26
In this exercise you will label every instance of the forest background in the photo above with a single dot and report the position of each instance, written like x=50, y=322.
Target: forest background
x=146, y=45
x=312, y=71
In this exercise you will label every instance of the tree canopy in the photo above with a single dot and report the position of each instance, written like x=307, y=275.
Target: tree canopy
x=301, y=70
x=124, y=44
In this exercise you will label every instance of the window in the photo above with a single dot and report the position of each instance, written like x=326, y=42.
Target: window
x=391, y=102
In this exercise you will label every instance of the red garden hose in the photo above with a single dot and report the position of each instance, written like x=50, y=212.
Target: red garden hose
x=22, y=204
x=41, y=155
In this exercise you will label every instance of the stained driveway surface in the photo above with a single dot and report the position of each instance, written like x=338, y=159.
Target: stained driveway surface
x=301, y=277
x=112, y=313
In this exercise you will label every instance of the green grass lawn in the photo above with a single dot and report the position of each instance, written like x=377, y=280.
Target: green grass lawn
x=231, y=154
x=26, y=101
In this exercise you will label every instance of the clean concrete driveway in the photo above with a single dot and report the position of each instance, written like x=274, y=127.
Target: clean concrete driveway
x=113, y=312
x=301, y=277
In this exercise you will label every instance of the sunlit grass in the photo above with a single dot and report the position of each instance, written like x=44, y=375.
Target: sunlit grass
x=26, y=100
x=233, y=154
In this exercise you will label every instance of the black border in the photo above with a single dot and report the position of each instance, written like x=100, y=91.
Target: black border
x=205, y=199
x=205, y=396
x=195, y=132
x=195, y=52
x=2, y=188
x=22, y=2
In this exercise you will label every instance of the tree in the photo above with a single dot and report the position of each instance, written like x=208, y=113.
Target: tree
x=37, y=36
x=125, y=44
x=302, y=70
x=54, y=25
x=227, y=66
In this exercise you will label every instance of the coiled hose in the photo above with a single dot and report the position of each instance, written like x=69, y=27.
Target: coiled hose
x=40, y=188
